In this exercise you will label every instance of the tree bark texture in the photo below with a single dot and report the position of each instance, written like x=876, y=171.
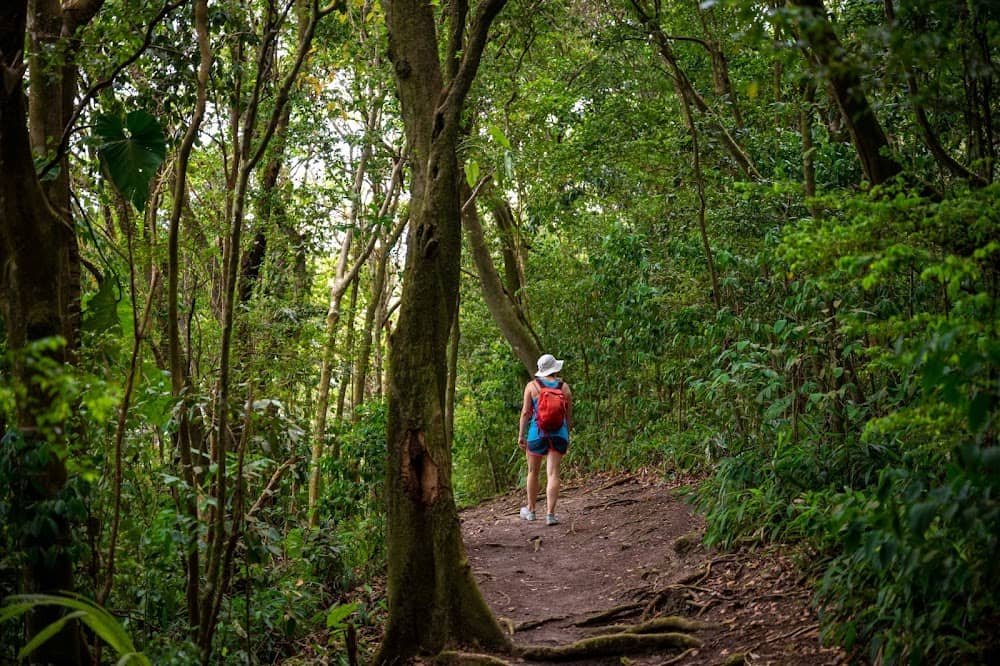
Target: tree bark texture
x=53, y=42
x=433, y=597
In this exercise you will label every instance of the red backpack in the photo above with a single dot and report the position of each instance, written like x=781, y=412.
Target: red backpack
x=551, y=407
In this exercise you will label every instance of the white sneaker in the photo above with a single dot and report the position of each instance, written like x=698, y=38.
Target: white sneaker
x=550, y=519
x=527, y=514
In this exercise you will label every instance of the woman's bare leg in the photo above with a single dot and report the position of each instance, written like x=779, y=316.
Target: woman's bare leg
x=534, y=465
x=552, y=483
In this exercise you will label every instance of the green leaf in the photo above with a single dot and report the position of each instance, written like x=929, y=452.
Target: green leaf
x=48, y=632
x=131, y=151
x=472, y=172
x=12, y=610
x=99, y=620
x=979, y=411
x=101, y=313
x=779, y=326
x=336, y=616
x=497, y=134
x=921, y=515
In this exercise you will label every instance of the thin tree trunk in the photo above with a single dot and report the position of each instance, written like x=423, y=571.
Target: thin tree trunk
x=808, y=149
x=341, y=282
x=977, y=80
x=177, y=360
x=512, y=250
x=720, y=65
x=685, y=89
x=370, y=329
x=927, y=133
x=246, y=159
x=505, y=311
x=347, y=357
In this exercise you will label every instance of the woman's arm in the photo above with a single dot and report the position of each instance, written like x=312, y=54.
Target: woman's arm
x=569, y=405
x=526, y=409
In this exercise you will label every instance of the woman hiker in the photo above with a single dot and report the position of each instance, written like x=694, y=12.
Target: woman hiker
x=546, y=415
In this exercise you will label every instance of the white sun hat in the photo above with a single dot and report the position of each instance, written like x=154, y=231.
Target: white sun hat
x=548, y=365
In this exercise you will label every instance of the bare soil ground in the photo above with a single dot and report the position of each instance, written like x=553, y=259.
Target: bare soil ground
x=629, y=547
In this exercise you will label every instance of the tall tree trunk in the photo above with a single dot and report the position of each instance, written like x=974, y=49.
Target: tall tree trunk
x=433, y=597
x=33, y=284
x=53, y=43
x=827, y=53
x=808, y=149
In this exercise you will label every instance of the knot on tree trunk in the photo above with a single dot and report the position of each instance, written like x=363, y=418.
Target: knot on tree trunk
x=403, y=69
x=420, y=472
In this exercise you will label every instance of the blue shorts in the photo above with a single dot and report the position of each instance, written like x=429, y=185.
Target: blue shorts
x=540, y=447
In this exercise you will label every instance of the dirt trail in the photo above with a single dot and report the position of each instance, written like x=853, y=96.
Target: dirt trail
x=630, y=543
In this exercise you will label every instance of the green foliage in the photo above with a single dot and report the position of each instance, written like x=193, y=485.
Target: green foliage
x=98, y=620
x=486, y=457
x=131, y=150
x=917, y=575
x=892, y=428
x=840, y=391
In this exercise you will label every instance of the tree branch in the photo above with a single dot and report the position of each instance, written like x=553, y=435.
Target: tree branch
x=478, y=33
x=459, y=12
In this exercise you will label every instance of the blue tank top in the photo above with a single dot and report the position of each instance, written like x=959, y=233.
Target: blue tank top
x=533, y=433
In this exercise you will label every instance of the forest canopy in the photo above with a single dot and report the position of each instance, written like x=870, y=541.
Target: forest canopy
x=273, y=274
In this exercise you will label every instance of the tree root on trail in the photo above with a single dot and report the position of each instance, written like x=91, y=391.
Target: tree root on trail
x=680, y=597
x=534, y=624
x=455, y=658
x=656, y=626
x=617, y=482
x=610, y=614
x=507, y=624
x=679, y=658
x=699, y=576
x=612, y=645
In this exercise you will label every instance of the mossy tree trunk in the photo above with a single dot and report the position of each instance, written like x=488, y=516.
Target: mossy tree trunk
x=33, y=287
x=433, y=597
